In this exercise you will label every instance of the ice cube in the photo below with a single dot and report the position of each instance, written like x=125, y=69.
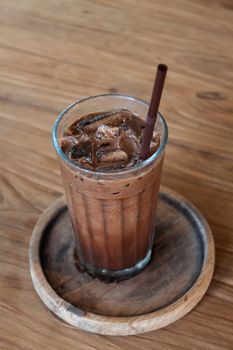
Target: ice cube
x=111, y=157
x=107, y=138
x=106, y=132
x=114, y=118
x=129, y=143
x=155, y=142
x=67, y=142
x=81, y=149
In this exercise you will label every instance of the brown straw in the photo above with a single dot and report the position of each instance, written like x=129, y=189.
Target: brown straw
x=153, y=110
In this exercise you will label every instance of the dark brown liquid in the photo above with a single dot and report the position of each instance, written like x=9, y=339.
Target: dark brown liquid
x=107, y=141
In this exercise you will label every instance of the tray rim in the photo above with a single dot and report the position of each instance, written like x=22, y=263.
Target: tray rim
x=112, y=325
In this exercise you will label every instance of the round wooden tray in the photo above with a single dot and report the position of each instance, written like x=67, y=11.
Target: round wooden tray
x=171, y=285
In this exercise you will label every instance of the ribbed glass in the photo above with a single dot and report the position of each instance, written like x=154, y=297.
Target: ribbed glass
x=113, y=214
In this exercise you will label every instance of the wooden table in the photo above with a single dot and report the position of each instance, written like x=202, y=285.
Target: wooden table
x=53, y=52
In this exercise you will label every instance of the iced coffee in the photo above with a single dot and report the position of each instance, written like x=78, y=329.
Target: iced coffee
x=111, y=194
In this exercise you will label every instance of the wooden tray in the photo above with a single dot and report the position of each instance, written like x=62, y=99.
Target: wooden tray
x=173, y=283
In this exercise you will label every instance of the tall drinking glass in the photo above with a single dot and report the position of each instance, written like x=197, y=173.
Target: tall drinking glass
x=113, y=214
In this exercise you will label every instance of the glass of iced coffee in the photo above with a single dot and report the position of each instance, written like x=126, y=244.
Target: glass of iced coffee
x=111, y=194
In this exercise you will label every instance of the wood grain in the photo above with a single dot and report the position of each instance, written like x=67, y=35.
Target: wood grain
x=172, y=284
x=52, y=53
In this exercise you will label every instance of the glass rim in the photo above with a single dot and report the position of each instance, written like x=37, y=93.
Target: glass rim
x=125, y=171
